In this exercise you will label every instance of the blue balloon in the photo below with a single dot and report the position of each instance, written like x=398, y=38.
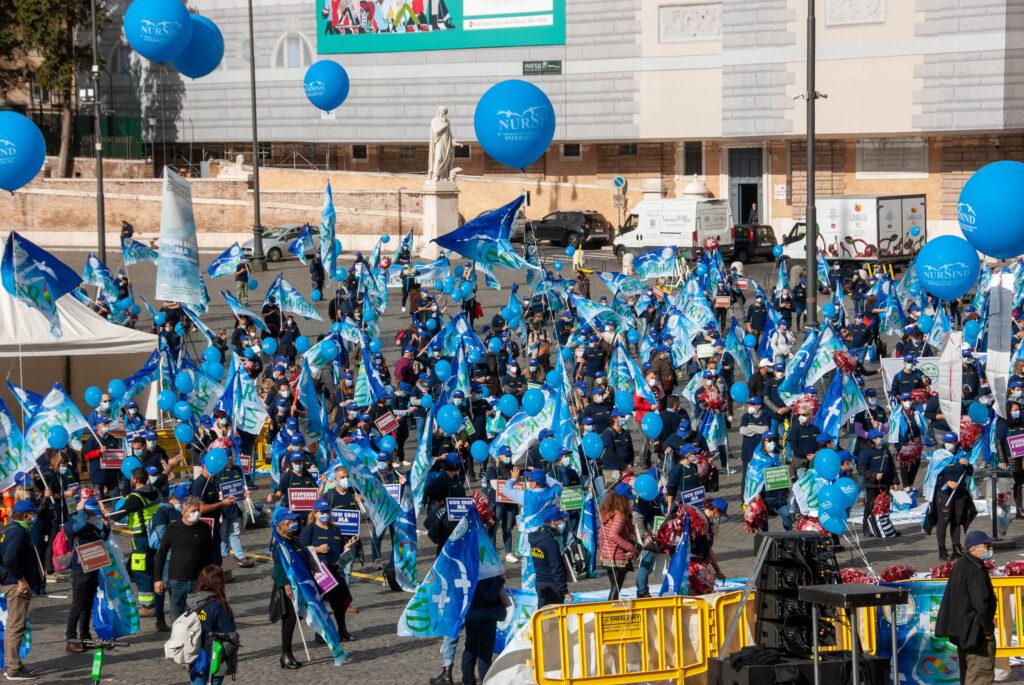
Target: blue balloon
x=24, y=150
x=651, y=425
x=183, y=433
x=551, y=378
x=592, y=445
x=249, y=353
x=439, y=285
x=701, y=270
x=129, y=465
x=212, y=354
x=925, y=323
x=494, y=344
x=135, y=310
x=159, y=318
x=93, y=396
x=549, y=449
x=826, y=464
x=557, y=265
x=449, y=419
x=57, y=437
x=777, y=251
x=832, y=499
x=624, y=401
x=633, y=336
x=978, y=413
x=339, y=274
x=253, y=284
x=269, y=346
x=431, y=324
x=972, y=329
x=337, y=327
x=646, y=487
x=158, y=30
x=849, y=489
x=467, y=290
x=479, y=450
x=832, y=523
x=508, y=405
x=948, y=266
x=116, y=389
x=376, y=345
x=750, y=340
x=184, y=383
x=203, y=53
x=739, y=392
x=915, y=231
x=388, y=443
x=385, y=239
x=474, y=355
x=183, y=410
x=337, y=247
x=427, y=401
x=829, y=310
x=566, y=353
x=988, y=211
x=166, y=399
x=326, y=85
x=214, y=370
x=316, y=295
x=301, y=344
x=570, y=250
x=330, y=350
x=533, y=401
x=215, y=460
x=443, y=370
x=514, y=122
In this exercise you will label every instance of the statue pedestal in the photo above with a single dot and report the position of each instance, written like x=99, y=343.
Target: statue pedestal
x=440, y=214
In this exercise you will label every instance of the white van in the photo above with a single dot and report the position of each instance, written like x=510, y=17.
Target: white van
x=682, y=223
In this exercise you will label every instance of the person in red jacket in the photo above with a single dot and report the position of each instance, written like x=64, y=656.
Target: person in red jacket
x=640, y=405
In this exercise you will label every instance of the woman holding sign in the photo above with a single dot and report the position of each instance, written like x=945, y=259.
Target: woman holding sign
x=1010, y=448
x=334, y=553
x=85, y=533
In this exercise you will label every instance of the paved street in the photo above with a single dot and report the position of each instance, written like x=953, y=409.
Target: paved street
x=378, y=656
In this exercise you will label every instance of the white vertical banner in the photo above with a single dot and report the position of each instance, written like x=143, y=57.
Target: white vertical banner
x=1000, y=333
x=177, y=270
x=948, y=382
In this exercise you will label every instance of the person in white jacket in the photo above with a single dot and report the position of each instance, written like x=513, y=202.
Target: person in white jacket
x=782, y=342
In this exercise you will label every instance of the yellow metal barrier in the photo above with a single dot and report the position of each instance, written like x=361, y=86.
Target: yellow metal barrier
x=614, y=643
x=1009, y=615
x=724, y=606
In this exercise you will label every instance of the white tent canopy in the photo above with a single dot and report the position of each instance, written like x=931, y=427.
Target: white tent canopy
x=90, y=351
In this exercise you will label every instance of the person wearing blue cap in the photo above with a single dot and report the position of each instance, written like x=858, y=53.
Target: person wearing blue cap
x=512, y=381
x=874, y=417
x=1009, y=429
x=599, y=410
x=343, y=496
x=878, y=469
x=967, y=613
x=754, y=423
x=593, y=360
x=297, y=477
x=134, y=420
x=616, y=540
x=153, y=454
x=907, y=379
x=334, y=551
x=168, y=512
x=551, y=585
x=283, y=596
x=88, y=525
x=445, y=479
x=105, y=481
x=757, y=317
x=952, y=505
x=682, y=474
x=618, y=454
x=402, y=409
x=498, y=471
x=909, y=432
x=21, y=574
x=802, y=440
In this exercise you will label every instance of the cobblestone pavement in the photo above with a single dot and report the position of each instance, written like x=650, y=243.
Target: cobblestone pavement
x=378, y=656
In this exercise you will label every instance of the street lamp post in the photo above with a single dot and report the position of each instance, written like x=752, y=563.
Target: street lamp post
x=101, y=226
x=258, y=258
x=811, y=213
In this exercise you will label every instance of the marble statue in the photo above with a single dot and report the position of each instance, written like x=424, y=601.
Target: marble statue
x=441, y=155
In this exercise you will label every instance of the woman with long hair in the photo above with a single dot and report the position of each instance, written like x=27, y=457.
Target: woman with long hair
x=217, y=620
x=617, y=541
x=334, y=552
x=282, y=597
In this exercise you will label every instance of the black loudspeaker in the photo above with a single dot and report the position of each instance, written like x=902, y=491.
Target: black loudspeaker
x=794, y=560
x=836, y=668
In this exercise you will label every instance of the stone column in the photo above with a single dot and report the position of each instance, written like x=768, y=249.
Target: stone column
x=440, y=214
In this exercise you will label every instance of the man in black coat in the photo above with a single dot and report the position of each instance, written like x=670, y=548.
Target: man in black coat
x=967, y=612
x=546, y=550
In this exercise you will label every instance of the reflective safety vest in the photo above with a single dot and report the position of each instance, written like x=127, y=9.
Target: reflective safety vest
x=137, y=521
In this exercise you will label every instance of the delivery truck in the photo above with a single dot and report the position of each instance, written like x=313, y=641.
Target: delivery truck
x=680, y=223
x=867, y=228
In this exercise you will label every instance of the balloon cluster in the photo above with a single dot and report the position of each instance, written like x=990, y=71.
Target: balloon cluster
x=164, y=31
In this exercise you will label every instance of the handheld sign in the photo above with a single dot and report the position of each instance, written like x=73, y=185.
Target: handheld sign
x=245, y=461
x=458, y=507
x=722, y=301
x=705, y=350
x=499, y=496
x=386, y=423
x=572, y=498
x=1016, y=443
x=324, y=579
x=395, y=490
x=302, y=499
x=111, y=459
x=346, y=521
x=776, y=478
x=232, y=488
x=695, y=496
x=93, y=556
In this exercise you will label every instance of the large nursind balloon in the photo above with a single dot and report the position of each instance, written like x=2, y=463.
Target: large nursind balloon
x=159, y=30
x=514, y=122
x=947, y=267
x=989, y=210
x=204, y=51
x=22, y=150
x=326, y=84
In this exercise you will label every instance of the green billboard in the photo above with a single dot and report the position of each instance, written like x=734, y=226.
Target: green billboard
x=353, y=26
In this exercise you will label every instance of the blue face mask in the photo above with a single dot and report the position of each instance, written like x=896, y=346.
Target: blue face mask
x=323, y=518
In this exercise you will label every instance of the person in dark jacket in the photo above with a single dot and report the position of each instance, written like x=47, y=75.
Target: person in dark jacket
x=21, y=573
x=104, y=480
x=968, y=610
x=282, y=606
x=445, y=479
x=878, y=469
x=217, y=624
x=618, y=452
x=951, y=499
x=486, y=610
x=88, y=525
x=754, y=423
x=546, y=550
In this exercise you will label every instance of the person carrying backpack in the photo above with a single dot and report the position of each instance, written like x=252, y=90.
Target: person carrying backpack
x=217, y=629
x=168, y=513
x=88, y=524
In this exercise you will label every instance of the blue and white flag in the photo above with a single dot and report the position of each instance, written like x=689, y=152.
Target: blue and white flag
x=240, y=310
x=587, y=530
x=842, y=401
x=403, y=551
x=522, y=429
x=284, y=295
x=240, y=400
x=200, y=326
x=369, y=376
x=941, y=327
x=381, y=509
x=624, y=374
x=423, y=460
x=13, y=458
x=692, y=302
x=327, y=220
x=490, y=280
x=712, y=427
x=227, y=263
x=660, y=263
x=133, y=252
x=314, y=424
x=28, y=400
x=592, y=313
x=533, y=259
x=822, y=266
x=439, y=605
x=35, y=277
x=178, y=277
x=96, y=273
x=115, y=612
x=621, y=284
x=824, y=356
x=735, y=347
x=754, y=481
x=452, y=333
x=485, y=238
x=315, y=356
x=139, y=381
x=677, y=574
x=56, y=409
x=792, y=386
x=679, y=327
x=303, y=244
x=306, y=598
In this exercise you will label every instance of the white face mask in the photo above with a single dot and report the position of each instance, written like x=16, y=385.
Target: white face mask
x=753, y=410
x=343, y=483
x=284, y=394
x=769, y=446
x=133, y=412
x=803, y=419
x=950, y=446
x=872, y=401
x=780, y=374
x=223, y=421
x=102, y=430
x=908, y=367
x=1015, y=414
x=506, y=460
x=151, y=444
x=907, y=404
x=652, y=382
x=152, y=479
x=105, y=406
x=192, y=517
x=588, y=429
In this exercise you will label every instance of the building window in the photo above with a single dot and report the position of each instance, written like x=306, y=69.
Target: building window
x=360, y=153
x=408, y=152
x=627, y=150
x=462, y=152
x=293, y=52
x=693, y=159
x=572, y=151
x=265, y=150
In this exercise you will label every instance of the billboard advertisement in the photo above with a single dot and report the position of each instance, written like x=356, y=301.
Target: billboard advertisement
x=354, y=26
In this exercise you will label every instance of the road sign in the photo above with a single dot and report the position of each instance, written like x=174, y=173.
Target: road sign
x=619, y=182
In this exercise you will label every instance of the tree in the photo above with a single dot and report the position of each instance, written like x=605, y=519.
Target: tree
x=51, y=29
x=12, y=53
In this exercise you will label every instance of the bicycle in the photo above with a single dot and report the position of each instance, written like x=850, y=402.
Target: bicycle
x=99, y=647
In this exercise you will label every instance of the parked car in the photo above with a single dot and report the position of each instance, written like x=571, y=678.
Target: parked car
x=574, y=227
x=276, y=241
x=752, y=240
